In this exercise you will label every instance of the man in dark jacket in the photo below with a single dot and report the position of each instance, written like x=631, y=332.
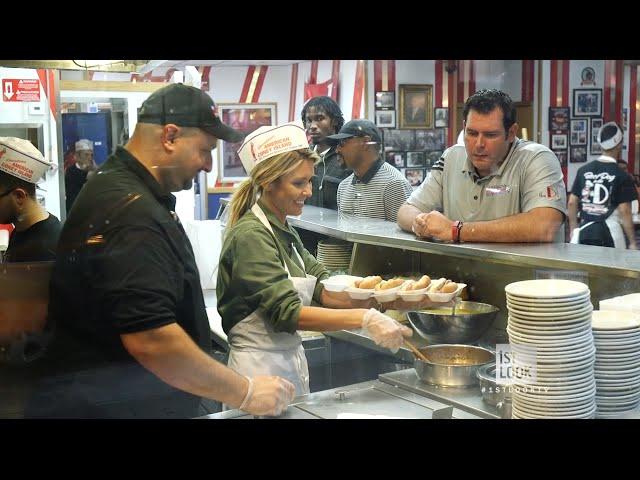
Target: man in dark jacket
x=322, y=117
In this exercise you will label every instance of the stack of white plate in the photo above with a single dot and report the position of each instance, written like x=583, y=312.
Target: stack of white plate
x=334, y=254
x=617, y=369
x=552, y=319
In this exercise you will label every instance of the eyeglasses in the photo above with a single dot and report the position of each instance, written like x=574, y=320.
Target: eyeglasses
x=7, y=192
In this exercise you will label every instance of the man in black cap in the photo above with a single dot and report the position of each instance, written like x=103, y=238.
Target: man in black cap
x=375, y=189
x=132, y=335
x=602, y=193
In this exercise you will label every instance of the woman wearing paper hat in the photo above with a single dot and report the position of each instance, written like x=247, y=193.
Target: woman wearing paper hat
x=267, y=279
x=603, y=193
x=36, y=231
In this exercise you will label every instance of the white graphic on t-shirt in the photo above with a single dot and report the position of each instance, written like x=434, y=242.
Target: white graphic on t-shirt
x=597, y=192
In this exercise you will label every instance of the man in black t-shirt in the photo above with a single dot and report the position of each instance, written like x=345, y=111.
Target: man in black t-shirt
x=23, y=334
x=322, y=117
x=602, y=193
x=36, y=232
x=132, y=334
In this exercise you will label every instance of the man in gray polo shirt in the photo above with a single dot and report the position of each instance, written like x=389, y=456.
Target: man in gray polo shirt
x=494, y=188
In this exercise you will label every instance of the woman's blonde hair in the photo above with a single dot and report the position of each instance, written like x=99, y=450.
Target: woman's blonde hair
x=262, y=175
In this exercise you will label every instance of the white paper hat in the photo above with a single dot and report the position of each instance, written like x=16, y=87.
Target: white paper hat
x=84, y=144
x=612, y=142
x=266, y=142
x=18, y=157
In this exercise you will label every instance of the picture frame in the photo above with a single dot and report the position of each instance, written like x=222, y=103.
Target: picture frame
x=431, y=140
x=386, y=118
x=578, y=154
x=579, y=127
x=596, y=125
x=415, y=159
x=244, y=117
x=397, y=159
x=385, y=100
x=562, y=157
x=587, y=102
x=559, y=141
x=395, y=139
x=441, y=116
x=415, y=176
x=416, y=106
x=559, y=119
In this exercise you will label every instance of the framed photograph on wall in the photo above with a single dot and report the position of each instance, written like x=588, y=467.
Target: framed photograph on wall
x=415, y=159
x=578, y=154
x=430, y=140
x=386, y=118
x=579, y=131
x=587, y=102
x=385, y=100
x=596, y=125
x=245, y=117
x=559, y=141
x=395, y=139
x=559, y=118
x=416, y=110
x=442, y=117
x=396, y=159
x=562, y=157
x=415, y=176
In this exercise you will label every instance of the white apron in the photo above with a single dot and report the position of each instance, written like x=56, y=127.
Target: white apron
x=256, y=349
x=615, y=229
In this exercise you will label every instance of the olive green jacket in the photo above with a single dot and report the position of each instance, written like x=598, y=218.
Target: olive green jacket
x=251, y=275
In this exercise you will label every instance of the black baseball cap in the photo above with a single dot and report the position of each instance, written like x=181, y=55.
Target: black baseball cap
x=358, y=128
x=186, y=106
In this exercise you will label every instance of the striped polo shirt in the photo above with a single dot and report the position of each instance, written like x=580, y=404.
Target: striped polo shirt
x=378, y=194
x=530, y=177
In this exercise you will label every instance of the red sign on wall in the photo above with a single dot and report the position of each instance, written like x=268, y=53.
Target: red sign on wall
x=20, y=90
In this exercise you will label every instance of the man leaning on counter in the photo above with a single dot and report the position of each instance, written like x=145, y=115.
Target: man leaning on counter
x=494, y=188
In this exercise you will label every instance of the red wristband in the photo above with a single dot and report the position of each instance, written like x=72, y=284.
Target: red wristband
x=455, y=231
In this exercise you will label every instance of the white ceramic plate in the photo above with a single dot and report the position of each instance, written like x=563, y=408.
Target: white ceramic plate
x=546, y=288
x=614, y=320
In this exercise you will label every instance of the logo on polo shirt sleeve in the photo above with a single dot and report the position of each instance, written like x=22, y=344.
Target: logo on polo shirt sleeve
x=550, y=192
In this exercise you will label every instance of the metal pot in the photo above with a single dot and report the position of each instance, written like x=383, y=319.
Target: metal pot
x=497, y=395
x=452, y=365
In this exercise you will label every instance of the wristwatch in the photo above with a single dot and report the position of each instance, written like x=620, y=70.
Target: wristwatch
x=455, y=230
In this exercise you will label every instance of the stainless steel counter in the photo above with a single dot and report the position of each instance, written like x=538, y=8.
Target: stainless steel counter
x=388, y=234
x=377, y=399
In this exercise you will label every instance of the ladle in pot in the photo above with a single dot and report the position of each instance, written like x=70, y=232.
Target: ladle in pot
x=415, y=351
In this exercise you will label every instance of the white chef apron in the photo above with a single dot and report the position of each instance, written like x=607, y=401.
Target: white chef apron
x=256, y=349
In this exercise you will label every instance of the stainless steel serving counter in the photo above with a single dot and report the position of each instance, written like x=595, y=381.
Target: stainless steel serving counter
x=387, y=234
x=393, y=396
x=382, y=248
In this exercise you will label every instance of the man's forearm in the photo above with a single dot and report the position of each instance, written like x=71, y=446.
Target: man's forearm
x=406, y=215
x=627, y=225
x=523, y=227
x=170, y=354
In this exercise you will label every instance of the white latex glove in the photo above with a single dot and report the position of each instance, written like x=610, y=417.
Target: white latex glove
x=384, y=330
x=268, y=395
